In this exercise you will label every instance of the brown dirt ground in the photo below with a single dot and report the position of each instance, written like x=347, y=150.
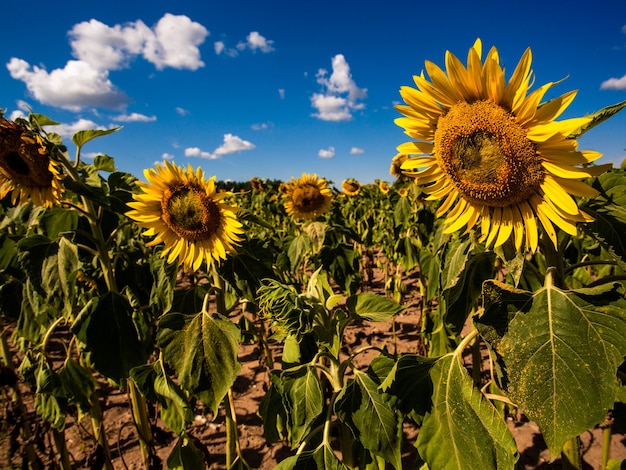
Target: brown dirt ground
x=248, y=389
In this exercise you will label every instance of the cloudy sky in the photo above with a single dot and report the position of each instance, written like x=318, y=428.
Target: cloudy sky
x=276, y=88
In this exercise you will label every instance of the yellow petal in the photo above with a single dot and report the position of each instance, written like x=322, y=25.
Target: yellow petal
x=558, y=195
x=506, y=227
x=530, y=223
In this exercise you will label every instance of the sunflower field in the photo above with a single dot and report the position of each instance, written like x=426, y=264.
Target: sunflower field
x=512, y=236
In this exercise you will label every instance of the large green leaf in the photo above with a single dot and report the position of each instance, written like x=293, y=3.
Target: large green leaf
x=185, y=456
x=302, y=393
x=561, y=351
x=106, y=328
x=598, y=117
x=373, y=307
x=82, y=137
x=202, y=348
x=463, y=429
x=371, y=419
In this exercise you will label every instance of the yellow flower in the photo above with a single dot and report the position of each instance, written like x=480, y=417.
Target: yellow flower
x=396, y=165
x=351, y=187
x=403, y=192
x=383, y=186
x=256, y=184
x=307, y=197
x=27, y=170
x=183, y=210
x=494, y=151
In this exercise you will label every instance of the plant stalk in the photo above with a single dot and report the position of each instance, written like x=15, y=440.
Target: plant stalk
x=570, y=455
x=140, y=415
x=61, y=446
x=97, y=423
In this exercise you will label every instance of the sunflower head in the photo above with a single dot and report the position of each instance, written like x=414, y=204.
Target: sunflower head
x=383, y=186
x=395, y=169
x=493, y=151
x=27, y=170
x=283, y=188
x=307, y=197
x=256, y=184
x=351, y=187
x=403, y=192
x=183, y=210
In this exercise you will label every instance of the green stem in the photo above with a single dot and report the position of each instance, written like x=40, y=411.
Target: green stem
x=606, y=442
x=61, y=446
x=31, y=453
x=97, y=423
x=232, y=434
x=140, y=415
x=476, y=362
x=570, y=455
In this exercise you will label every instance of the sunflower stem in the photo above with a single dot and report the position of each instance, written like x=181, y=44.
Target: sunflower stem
x=97, y=424
x=570, y=455
x=61, y=446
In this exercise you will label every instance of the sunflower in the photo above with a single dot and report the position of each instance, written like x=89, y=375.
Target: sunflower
x=307, y=197
x=493, y=152
x=351, y=187
x=183, y=210
x=395, y=169
x=27, y=170
x=256, y=184
x=383, y=186
x=403, y=192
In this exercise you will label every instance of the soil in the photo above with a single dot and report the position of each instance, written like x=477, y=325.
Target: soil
x=248, y=390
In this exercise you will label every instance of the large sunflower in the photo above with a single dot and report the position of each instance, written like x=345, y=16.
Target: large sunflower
x=307, y=197
x=351, y=187
x=183, y=210
x=27, y=170
x=493, y=151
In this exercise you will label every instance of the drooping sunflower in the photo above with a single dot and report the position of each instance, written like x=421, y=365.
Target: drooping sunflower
x=395, y=169
x=307, y=197
x=351, y=187
x=183, y=210
x=256, y=184
x=27, y=170
x=493, y=151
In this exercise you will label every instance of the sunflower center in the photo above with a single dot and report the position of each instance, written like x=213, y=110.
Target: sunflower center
x=307, y=198
x=15, y=163
x=190, y=213
x=487, y=155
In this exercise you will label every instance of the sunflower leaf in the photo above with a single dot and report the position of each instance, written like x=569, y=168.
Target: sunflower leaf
x=202, y=349
x=373, y=307
x=303, y=395
x=371, y=419
x=598, y=117
x=561, y=351
x=463, y=429
x=82, y=137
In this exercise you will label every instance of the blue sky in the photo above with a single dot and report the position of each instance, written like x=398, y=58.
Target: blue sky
x=273, y=89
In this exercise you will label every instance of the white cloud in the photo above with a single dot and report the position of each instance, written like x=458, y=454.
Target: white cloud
x=262, y=126
x=134, y=117
x=327, y=153
x=231, y=144
x=182, y=111
x=99, y=48
x=167, y=156
x=281, y=93
x=172, y=42
x=340, y=96
x=356, y=151
x=254, y=42
x=614, y=84
x=68, y=130
x=73, y=87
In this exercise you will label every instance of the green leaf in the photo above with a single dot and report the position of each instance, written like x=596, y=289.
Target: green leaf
x=298, y=249
x=463, y=429
x=43, y=120
x=104, y=163
x=272, y=410
x=110, y=337
x=616, y=465
x=57, y=220
x=185, y=456
x=373, y=307
x=175, y=412
x=202, y=349
x=321, y=458
x=304, y=400
x=82, y=137
x=372, y=421
x=597, y=118
x=78, y=382
x=561, y=352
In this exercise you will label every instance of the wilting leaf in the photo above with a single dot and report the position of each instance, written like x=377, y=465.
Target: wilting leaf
x=463, y=429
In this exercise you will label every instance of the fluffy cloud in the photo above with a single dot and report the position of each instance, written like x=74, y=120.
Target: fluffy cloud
x=254, y=42
x=73, y=87
x=327, y=153
x=173, y=42
x=99, y=48
x=614, y=84
x=340, y=96
x=231, y=144
x=134, y=117
x=356, y=151
x=68, y=130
